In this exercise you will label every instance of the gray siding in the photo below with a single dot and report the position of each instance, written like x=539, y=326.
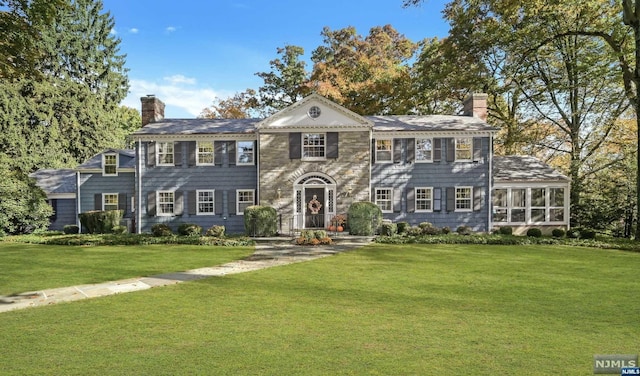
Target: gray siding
x=404, y=175
x=94, y=183
x=224, y=178
x=65, y=213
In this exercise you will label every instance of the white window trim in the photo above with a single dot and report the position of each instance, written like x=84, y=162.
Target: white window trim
x=253, y=154
x=390, y=150
x=375, y=198
x=302, y=146
x=530, y=206
x=238, y=191
x=527, y=208
x=104, y=196
x=495, y=208
x=198, y=202
x=173, y=153
x=470, y=199
x=430, y=160
x=455, y=143
x=213, y=154
x=430, y=189
x=512, y=207
x=117, y=164
x=159, y=213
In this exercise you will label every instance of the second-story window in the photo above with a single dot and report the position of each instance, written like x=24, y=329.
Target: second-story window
x=110, y=164
x=313, y=145
x=244, y=152
x=424, y=150
x=165, y=153
x=464, y=149
x=205, y=153
x=384, y=151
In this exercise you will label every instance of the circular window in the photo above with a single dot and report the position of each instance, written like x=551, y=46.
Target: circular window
x=314, y=111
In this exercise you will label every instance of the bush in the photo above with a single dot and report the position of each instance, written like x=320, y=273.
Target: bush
x=505, y=230
x=534, y=232
x=189, y=229
x=313, y=237
x=573, y=233
x=100, y=221
x=557, y=233
x=446, y=230
x=161, y=229
x=364, y=218
x=587, y=233
x=414, y=231
x=388, y=229
x=429, y=229
x=216, y=231
x=71, y=229
x=402, y=227
x=464, y=230
x=260, y=221
x=119, y=230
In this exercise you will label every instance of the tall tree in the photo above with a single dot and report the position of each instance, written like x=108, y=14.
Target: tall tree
x=239, y=106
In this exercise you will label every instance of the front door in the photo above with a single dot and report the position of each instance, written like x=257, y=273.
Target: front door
x=314, y=211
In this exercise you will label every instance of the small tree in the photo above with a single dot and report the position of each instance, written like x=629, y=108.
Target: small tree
x=364, y=218
x=260, y=221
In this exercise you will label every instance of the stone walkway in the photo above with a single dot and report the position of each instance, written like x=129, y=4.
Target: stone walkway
x=266, y=255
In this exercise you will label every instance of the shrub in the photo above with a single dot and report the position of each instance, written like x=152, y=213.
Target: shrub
x=414, y=231
x=161, y=229
x=320, y=234
x=313, y=237
x=388, y=229
x=587, y=233
x=429, y=229
x=100, y=221
x=446, y=230
x=260, y=221
x=189, y=229
x=216, y=231
x=464, y=230
x=71, y=229
x=402, y=227
x=557, y=233
x=505, y=230
x=119, y=230
x=534, y=232
x=573, y=233
x=364, y=218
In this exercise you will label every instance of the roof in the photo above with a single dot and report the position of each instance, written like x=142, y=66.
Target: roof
x=197, y=126
x=429, y=123
x=95, y=162
x=56, y=180
x=524, y=168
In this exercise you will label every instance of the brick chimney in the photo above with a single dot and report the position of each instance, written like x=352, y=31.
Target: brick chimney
x=476, y=105
x=152, y=109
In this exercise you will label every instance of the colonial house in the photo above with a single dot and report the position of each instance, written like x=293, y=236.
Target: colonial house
x=311, y=161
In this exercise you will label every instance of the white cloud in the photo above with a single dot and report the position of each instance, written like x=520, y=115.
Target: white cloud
x=170, y=29
x=189, y=100
x=133, y=30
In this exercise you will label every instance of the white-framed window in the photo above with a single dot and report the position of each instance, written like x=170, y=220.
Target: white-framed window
x=109, y=164
x=205, y=202
x=424, y=150
x=556, y=205
x=500, y=205
x=166, y=203
x=205, y=153
x=384, y=199
x=518, y=205
x=464, y=198
x=109, y=201
x=245, y=153
x=384, y=150
x=538, y=204
x=313, y=145
x=244, y=199
x=165, y=153
x=464, y=148
x=424, y=199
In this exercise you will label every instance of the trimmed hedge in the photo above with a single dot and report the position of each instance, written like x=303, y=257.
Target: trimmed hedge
x=260, y=221
x=100, y=221
x=505, y=230
x=71, y=229
x=364, y=218
x=189, y=229
x=216, y=231
x=534, y=232
x=161, y=229
x=388, y=229
x=558, y=233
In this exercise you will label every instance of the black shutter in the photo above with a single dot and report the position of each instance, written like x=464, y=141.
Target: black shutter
x=255, y=153
x=218, y=202
x=477, y=198
x=332, y=145
x=192, y=203
x=451, y=199
x=177, y=153
x=411, y=200
x=411, y=150
x=178, y=204
x=397, y=150
x=437, y=199
x=218, y=150
x=437, y=149
x=477, y=149
x=451, y=149
x=151, y=204
x=397, y=200
x=151, y=154
x=193, y=152
x=295, y=145
x=54, y=206
x=122, y=202
x=97, y=201
x=231, y=152
x=231, y=201
x=373, y=151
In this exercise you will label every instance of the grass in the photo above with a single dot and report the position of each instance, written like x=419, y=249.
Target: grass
x=28, y=267
x=381, y=310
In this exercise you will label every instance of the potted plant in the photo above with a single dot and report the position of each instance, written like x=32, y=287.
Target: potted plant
x=338, y=221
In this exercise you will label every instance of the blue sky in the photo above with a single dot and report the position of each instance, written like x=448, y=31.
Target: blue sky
x=189, y=52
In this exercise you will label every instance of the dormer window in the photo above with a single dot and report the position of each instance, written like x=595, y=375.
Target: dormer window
x=109, y=164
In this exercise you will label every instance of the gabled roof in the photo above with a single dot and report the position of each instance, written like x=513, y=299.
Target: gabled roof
x=126, y=160
x=443, y=123
x=56, y=181
x=514, y=168
x=197, y=126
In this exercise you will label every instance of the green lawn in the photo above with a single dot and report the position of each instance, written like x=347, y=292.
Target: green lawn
x=27, y=267
x=381, y=310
